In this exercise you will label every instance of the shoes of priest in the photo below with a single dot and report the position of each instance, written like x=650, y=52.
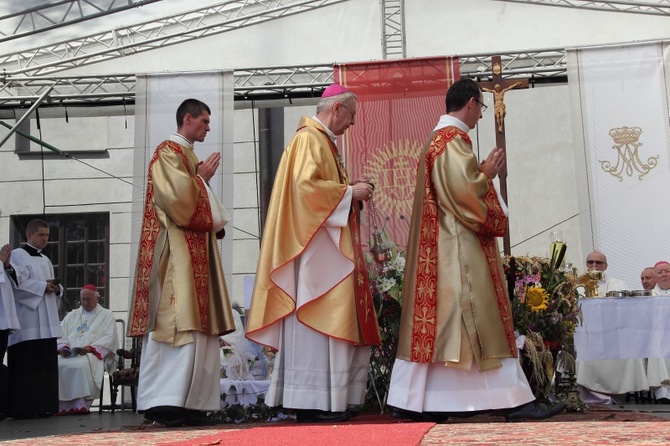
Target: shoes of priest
x=535, y=410
x=321, y=416
x=422, y=417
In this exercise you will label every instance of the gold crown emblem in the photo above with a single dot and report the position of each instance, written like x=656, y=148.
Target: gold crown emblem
x=626, y=135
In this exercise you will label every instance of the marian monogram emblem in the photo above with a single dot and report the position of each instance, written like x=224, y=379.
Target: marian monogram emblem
x=626, y=143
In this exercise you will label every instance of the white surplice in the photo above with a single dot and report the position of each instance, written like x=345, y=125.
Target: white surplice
x=8, y=318
x=312, y=370
x=37, y=311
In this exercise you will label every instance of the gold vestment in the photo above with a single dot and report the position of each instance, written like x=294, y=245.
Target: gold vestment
x=178, y=255
x=308, y=187
x=455, y=304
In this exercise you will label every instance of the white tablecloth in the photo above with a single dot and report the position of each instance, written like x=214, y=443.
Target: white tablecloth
x=624, y=328
x=241, y=392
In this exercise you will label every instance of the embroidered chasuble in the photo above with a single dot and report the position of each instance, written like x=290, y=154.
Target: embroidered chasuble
x=455, y=304
x=309, y=184
x=179, y=269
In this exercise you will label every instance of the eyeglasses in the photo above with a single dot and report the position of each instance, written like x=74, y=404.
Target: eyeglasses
x=595, y=262
x=484, y=106
x=353, y=114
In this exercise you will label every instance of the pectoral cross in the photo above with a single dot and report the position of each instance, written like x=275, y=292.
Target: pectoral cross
x=499, y=86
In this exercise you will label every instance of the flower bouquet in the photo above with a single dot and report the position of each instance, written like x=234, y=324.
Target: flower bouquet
x=386, y=267
x=546, y=313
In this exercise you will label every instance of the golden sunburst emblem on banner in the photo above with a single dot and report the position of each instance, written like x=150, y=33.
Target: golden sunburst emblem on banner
x=626, y=143
x=393, y=166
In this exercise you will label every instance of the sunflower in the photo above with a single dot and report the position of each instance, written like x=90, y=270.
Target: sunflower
x=536, y=298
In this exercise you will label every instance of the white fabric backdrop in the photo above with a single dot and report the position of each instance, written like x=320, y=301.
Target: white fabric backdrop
x=627, y=219
x=157, y=98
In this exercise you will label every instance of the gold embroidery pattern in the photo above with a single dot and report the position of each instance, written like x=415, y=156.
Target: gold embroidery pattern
x=626, y=143
x=196, y=241
x=139, y=317
x=425, y=292
x=496, y=225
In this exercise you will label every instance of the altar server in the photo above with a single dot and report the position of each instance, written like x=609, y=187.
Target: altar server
x=31, y=357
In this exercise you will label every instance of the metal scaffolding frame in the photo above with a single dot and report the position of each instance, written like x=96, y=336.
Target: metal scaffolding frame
x=50, y=16
x=34, y=74
x=393, y=29
x=658, y=7
x=157, y=33
x=281, y=82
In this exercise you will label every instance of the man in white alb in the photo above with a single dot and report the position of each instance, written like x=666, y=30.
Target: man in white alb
x=647, y=278
x=85, y=351
x=9, y=321
x=33, y=367
x=598, y=262
x=607, y=381
x=658, y=369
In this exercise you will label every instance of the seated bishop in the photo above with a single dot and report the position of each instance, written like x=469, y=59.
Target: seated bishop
x=85, y=351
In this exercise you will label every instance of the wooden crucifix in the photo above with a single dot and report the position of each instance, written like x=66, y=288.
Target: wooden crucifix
x=499, y=86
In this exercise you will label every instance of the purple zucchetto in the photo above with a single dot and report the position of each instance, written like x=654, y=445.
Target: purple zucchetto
x=334, y=90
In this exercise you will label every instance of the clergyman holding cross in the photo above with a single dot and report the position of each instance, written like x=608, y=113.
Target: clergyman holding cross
x=499, y=104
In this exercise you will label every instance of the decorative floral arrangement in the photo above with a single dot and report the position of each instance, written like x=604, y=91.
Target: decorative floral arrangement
x=386, y=267
x=386, y=282
x=544, y=300
x=545, y=310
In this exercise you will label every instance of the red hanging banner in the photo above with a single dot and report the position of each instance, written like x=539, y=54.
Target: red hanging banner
x=399, y=104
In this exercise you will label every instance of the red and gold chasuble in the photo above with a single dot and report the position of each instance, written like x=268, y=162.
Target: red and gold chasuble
x=455, y=293
x=176, y=253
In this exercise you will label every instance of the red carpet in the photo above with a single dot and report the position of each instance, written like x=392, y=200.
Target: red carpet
x=600, y=426
x=363, y=430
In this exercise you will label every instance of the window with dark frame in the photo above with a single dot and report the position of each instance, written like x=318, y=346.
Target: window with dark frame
x=79, y=250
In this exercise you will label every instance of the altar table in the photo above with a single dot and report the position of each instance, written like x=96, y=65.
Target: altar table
x=624, y=328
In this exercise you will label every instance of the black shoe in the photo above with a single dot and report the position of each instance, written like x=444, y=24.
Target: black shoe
x=663, y=401
x=198, y=418
x=168, y=416
x=421, y=417
x=320, y=416
x=535, y=410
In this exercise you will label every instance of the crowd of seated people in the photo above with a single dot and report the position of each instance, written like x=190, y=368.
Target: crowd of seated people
x=610, y=381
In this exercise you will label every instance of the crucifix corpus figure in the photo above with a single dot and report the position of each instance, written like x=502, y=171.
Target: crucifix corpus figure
x=499, y=86
x=499, y=103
